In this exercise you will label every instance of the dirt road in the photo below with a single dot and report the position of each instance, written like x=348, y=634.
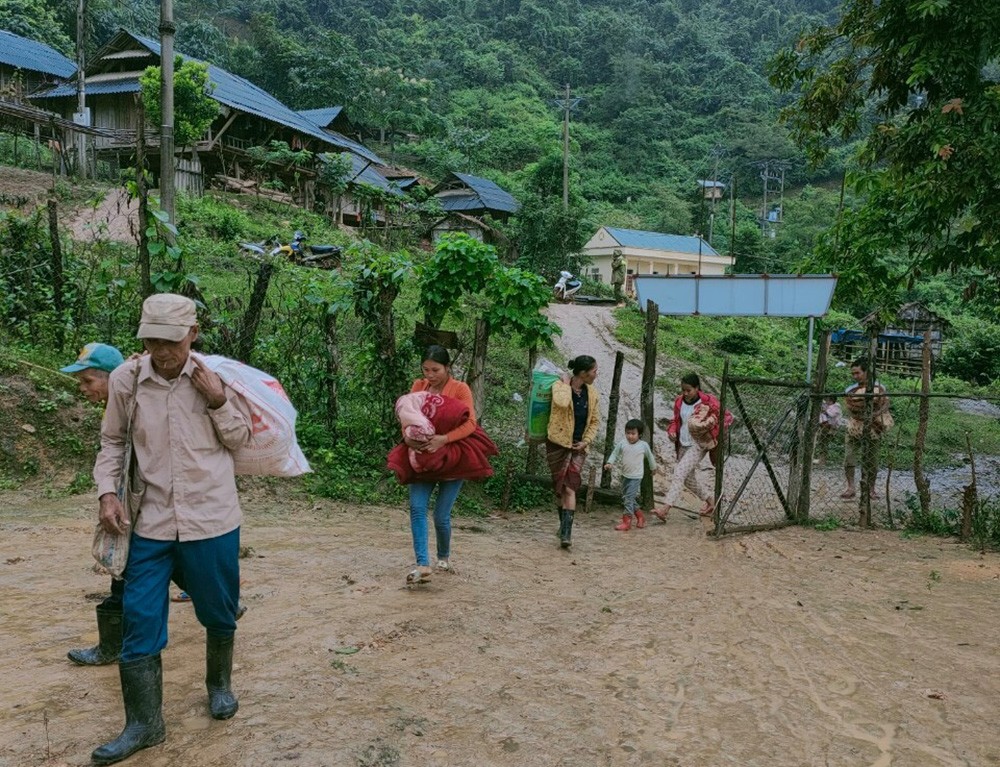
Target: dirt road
x=590, y=330
x=655, y=647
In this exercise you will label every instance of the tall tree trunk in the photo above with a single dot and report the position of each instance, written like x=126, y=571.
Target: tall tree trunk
x=251, y=318
x=476, y=375
x=646, y=398
x=146, y=284
x=609, y=435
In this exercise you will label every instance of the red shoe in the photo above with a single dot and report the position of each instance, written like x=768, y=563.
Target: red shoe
x=661, y=514
x=625, y=524
x=640, y=519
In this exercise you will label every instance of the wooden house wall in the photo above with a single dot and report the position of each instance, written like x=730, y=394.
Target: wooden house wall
x=16, y=83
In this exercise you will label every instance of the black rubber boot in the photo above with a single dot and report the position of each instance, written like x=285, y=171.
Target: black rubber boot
x=562, y=523
x=142, y=690
x=218, y=671
x=567, y=533
x=109, y=641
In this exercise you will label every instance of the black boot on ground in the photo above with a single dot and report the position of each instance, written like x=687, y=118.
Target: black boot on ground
x=142, y=690
x=566, y=534
x=218, y=672
x=562, y=523
x=109, y=641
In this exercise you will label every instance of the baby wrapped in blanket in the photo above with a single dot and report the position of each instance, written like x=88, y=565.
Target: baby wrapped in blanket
x=423, y=414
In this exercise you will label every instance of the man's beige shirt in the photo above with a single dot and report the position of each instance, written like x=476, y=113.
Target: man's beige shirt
x=182, y=450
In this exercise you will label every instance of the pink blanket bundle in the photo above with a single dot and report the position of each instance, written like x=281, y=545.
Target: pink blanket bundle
x=422, y=415
x=410, y=410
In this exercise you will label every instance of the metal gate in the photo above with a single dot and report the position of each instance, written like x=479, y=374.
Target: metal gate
x=762, y=472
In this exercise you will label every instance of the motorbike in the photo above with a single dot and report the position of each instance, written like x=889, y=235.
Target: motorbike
x=296, y=251
x=566, y=287
x=314, y=255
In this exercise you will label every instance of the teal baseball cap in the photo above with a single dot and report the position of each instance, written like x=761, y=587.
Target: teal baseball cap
x=96, y=356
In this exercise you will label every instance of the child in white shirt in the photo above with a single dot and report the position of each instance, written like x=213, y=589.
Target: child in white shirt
x=633, y=453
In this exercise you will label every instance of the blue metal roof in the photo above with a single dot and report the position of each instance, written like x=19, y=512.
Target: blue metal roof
x=364, y=172
x=484, y=194
x=128, y=85
x=353, y=146
x=233, y=91
x=22, y=53
x=677, y=243
x=461, y=202
x=323, y=116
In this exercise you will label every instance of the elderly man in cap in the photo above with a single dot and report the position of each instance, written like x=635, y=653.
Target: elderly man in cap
x=91, y=371
x=186, y=423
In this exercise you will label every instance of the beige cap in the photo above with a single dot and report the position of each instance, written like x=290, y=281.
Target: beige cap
x=167, y=316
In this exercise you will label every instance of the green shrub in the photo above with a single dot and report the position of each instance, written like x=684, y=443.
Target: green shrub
x=973, y=354
x=933, y=522
x=738, y=343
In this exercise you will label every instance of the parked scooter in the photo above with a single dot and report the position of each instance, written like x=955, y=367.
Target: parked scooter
x=566, y=287
x=296, y=251
x=314, y=255
x=259, y=249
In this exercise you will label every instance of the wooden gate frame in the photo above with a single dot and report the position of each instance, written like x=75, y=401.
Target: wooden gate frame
x=806, y=407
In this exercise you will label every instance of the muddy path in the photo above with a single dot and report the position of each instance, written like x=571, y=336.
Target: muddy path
x=656, y=647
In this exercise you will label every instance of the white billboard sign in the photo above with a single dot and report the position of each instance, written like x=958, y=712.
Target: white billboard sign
x=738, y=295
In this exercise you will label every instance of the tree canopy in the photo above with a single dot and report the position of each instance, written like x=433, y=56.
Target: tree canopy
x=919, y=83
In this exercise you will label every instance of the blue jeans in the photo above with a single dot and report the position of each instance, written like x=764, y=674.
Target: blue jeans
x=420, y=498
x=630, y=490
x=211, y=570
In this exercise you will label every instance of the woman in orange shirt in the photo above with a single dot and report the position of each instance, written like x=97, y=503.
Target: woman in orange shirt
x=436, y=367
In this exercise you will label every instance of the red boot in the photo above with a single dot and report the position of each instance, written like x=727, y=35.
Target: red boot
x=626, y=523
x=640, y=519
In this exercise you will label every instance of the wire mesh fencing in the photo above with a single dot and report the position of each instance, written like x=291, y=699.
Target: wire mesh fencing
x=937, y=458
x=759, y=473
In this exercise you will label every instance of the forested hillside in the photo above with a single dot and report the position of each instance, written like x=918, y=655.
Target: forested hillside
x=671, y=92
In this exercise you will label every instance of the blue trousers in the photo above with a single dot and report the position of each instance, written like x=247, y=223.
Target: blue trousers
x=420, y=498
x=211, y=574
x=630, y=491
x=114, y=602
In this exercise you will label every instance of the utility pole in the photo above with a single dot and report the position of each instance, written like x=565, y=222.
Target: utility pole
x=717, y=152
x=167, y=31
x=772, y=173
x=82, y=115
x=732, y=218
x=567, y=104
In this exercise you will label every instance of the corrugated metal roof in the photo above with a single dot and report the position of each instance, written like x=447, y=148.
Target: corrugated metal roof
x=22, y=53
x=353, y=146
x=323, y=116
x=235, y=92
x=490, y=196
x=364, y=172
x=458, y=202
x=128, y=85
x=677, y=243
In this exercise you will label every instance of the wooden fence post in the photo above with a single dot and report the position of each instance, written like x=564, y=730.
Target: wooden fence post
x=648, y=386
x=803, y=496
x=531, y=466
x=57, y=272
x=591, y=481
x=477, y=368
x=720, y=450
x=609, y=435
x=869, y=446
x=923, y=416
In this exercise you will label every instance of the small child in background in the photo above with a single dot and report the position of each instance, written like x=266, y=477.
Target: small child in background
x=632, y=453
x=831, y=418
